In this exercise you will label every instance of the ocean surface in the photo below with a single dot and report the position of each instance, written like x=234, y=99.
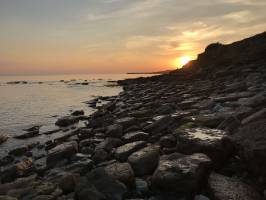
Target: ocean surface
x=43, y=99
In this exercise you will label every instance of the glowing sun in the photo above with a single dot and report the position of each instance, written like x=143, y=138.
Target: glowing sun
x=181, y=61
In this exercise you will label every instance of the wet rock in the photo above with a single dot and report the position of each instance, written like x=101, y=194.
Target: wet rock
x=115, y=130
x=145, y=161
x=105, y=184
x=66, y=121
x=121, y=172
x=122, y=152
x=181, y=176
x=135, y=136
x=78, y=113
x=224, y=188
x=212, y=142
x=60, y=152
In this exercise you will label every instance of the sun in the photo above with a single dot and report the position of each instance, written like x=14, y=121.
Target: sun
x=181, y=61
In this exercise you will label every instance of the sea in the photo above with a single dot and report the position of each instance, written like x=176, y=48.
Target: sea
x=41, y=100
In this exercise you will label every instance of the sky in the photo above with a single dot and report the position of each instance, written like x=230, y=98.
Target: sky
x=117, y=36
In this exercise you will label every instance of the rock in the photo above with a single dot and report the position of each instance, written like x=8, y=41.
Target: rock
x=60, y=152
x=142, y=187
x=135, y=136
x=201, y=197
x=17, y=184
x=121, y=172
x=168, y=141
x=78, y=113
x=3, y=138
x=127, y=122
x=100, y=156
x=115, y=130
x=224, y=188
x=28, y=135
x=230, y=124
x=181, y=176
x=109, y=143
x=86, y=191
x=18, y=151
x=105, y=184
x=250, y=141
x=209, y=120
x=212, y=142
x=159, y=125
x=7, y=198
x=255, y=116
x=122, y=152
x=66, y=121
x=254, y=101
x=24, y=167
x=145, y=161
x=68, y=183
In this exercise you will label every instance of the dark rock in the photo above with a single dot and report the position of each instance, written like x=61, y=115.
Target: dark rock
x=122, y=152
x=181, y=176
x=115, y=130
x=100, y=156
x=121, y=172
x=224, y=188
x=255, y=116
x=68, y=183
x=168, y=141
x=145, y=161
x=230, y=124
x=105, y=184
x=18, y=151
x=78, y=113
x=66, y=121
x=86, y=191
x=126, y=122
x=60, y=152
x=159, y=125
x=109, y=143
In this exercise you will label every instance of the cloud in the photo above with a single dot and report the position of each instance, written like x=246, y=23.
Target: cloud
x=244, y=16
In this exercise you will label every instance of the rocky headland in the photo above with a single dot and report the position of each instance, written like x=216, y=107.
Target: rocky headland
x=197, y=133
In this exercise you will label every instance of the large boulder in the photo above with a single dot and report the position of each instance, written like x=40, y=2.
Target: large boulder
x=182, y=175
x=224, y=188
x=122, y=152
x=145, y=161
x=105, y=184
x=212, y=142
x=250, y=142
x=121, y=172
x=60, y=152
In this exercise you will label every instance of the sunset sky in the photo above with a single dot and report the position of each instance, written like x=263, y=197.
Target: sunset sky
x=113, y=36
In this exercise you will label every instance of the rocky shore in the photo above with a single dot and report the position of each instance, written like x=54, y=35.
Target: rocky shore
x=198, y=133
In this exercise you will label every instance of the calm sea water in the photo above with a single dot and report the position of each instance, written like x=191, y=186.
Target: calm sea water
x=25, y=105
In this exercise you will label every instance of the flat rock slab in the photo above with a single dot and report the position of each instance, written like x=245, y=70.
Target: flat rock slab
x=212, y=142
x=122, y=152
x=62, y=151
x=224, y=188
x=145, y=161
x=182, y=175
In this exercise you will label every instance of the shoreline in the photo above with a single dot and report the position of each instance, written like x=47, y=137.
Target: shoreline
x=189, y=134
